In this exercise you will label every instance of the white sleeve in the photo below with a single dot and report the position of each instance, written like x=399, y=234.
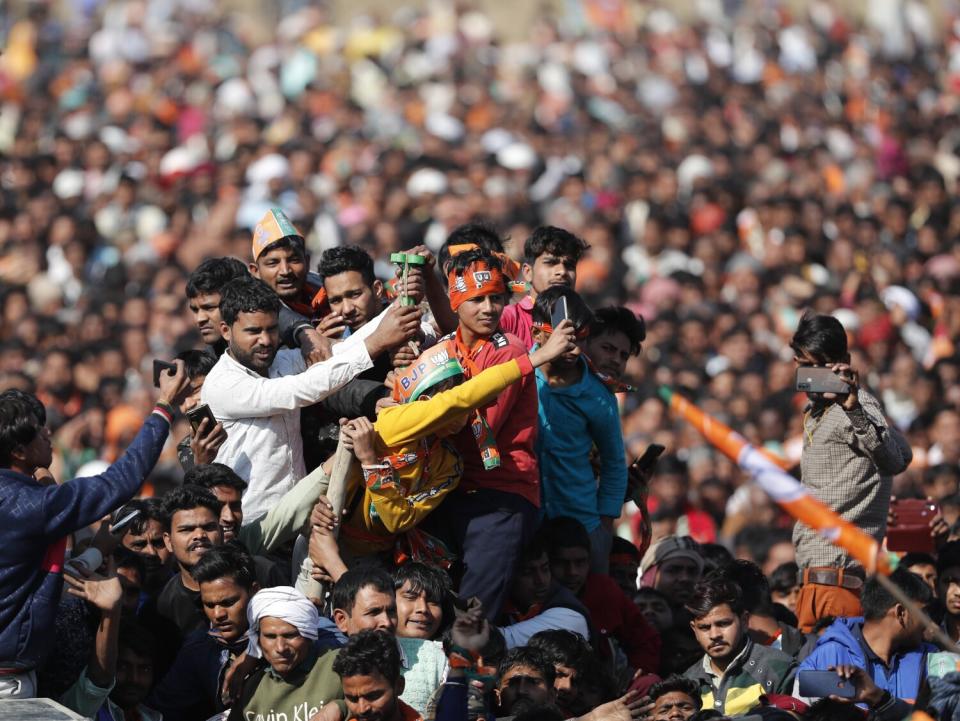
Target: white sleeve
x=519, y=634
x=234, y=395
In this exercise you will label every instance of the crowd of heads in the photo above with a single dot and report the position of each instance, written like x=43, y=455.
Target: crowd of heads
x=685, y=189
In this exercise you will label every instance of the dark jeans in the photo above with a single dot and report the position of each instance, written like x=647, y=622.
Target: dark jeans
x=488, y=530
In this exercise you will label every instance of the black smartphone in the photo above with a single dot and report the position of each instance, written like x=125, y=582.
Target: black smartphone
x=119, y=525
x=458, y=602
x=159, y=367
x=649, y=457
x=197, y=414
x=820, y=380
x=559, y=313
x=821, y=684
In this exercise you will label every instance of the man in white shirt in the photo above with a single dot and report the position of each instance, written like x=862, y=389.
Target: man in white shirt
x=257, y=392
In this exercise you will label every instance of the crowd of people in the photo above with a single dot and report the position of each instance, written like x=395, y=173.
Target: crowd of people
x=417, y=290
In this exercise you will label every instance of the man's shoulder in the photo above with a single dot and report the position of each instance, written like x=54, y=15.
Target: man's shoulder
x=696, y=671
x=771, y=657
x=504, y=346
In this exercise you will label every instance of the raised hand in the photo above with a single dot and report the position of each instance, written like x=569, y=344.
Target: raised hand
x=173, y=388
x=101, y=591
x=562, y=340
x=400, y=324
x=205, y=442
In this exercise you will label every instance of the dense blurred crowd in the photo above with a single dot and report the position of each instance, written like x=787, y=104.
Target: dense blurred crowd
x=727, y=171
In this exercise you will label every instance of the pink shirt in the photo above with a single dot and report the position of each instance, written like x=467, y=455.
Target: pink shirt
x=517, y=319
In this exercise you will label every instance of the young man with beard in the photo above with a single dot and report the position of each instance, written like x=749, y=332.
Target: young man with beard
x=257, y=391
x=203, y=297
x=36, y=520
x=551, y=256
x=369, y=667
x=144, y=537
x=192, y=529
x=576, y=414
x=295, y=679
x=525, y=682
x=493, y=512
x=281, y=261
x=191, y=688
x=734, y=671
x=611, y=611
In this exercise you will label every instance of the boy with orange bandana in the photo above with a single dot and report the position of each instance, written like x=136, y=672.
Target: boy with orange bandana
x=491, y=515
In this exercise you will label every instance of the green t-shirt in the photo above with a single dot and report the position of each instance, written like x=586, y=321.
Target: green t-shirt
x=268, y=697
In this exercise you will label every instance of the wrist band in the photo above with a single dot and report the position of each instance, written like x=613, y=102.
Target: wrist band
x=164, y=410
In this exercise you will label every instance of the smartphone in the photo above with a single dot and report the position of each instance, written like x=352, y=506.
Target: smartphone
x=159, y=367
x=911, y=532
x=559, y=313
x=649, y=457
x=458, y=602
x=820, y=380
x=119, y=525
x=821, y=684
x=197, y=414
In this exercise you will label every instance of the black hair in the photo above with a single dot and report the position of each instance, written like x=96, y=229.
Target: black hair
x=369, y=652
x=247, y=295
x=821, y=623
x=208, y=475
x=820, y=336
x=30, y=399
x=186, y=498
x=345, y=591
x=617, y=319
x=228, y=560
x=563, y=648
x=461, y=262
x=713, y=592
x=214, y=273
x=916, y=558
x=534, y=549
x=621, y=546
x=151, y=509
x=198, y=363
x=345, y=258
x=876, y=600
x=577, y=310
x=481, y=234
x=784, y=577
x=139, y=639
x=19, y=423
x=531, y=657
x=651, y=591
x=433, y=581
x=716, y=555
x=556, y=241
x=754, y=587
x=948, y=556
x=565, y=532
x=675, y=684
x=828, y=710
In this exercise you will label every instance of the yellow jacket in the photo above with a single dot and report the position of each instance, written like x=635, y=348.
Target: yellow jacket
x=419, y=468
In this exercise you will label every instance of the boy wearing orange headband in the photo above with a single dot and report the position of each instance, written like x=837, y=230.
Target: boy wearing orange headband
x=495, y=509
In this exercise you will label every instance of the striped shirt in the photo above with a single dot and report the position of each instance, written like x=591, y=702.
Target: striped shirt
x=848, y=461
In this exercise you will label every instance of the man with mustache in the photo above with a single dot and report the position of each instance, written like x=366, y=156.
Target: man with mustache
x=203, y=297
x=257, y=391
x=734, y=671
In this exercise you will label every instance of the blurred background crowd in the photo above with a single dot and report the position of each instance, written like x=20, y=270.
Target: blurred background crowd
x=728, y=168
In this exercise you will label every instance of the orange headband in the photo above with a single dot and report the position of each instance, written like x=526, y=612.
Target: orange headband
x=478, y=280
x=580, y=333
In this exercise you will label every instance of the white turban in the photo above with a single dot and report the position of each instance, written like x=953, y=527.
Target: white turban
x=285, y=603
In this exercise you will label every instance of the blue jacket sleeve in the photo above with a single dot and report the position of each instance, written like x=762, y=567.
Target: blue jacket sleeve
x=182, y=687
x=827, y=655
x=82, y=501
x=452, y=705
x=605, y=428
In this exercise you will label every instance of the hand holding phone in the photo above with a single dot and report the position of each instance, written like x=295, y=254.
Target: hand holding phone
x=159, y=367
x=823, y=684
x=649, y=458
x=197, y=414
x=811, y=379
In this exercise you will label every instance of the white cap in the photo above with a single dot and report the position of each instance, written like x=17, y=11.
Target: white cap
x=426, y=181
x=270, y=167
x=68, y=184
x=517, y=156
